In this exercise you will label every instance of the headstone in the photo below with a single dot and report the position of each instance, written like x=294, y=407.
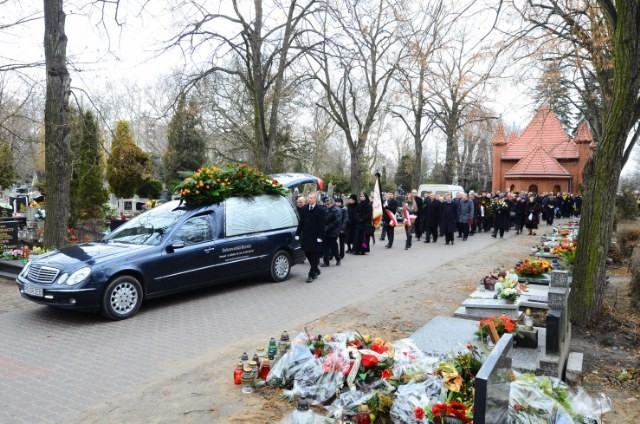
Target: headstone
x=558, y=331
x=491, y=402
x=9, y=234
x=559, y=279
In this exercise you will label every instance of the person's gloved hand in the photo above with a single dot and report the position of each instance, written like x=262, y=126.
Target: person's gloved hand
x=297, y=237
x=319, y=240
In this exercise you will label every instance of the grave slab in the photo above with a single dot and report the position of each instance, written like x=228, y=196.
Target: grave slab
x=443, y=335
x=485, y=307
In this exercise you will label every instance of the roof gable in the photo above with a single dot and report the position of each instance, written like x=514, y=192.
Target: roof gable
x=499, y=138
x=539, y=163
x=544, y=130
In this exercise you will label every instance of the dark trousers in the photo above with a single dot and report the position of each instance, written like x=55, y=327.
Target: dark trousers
x=314, y=260
x=389, y=231
x=460, y=228
x=448, y=237
x=407, y=231
x=501, y=230
x=465, y=229
x=417, y=227
x=473, y=227
x=341, y=242
x=433, y=231
x=330, y=249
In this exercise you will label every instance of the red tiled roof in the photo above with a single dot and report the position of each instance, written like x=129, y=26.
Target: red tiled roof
x=513, y=137
x=498, y=138
x=583, y=134
x=538, y=163
x=543, y=130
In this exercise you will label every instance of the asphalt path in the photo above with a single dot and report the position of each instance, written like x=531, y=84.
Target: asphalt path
x=55, y=364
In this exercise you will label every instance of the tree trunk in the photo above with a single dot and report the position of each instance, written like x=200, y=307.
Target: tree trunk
x=57, y=143
x=634, y=267
x=450, y=170
x=356, y=166
x=603, y=172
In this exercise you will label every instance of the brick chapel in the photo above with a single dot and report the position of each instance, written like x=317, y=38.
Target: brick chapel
x=544, y=158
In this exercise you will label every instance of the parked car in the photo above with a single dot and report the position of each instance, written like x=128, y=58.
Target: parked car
x=171, y=248
x=440, y=189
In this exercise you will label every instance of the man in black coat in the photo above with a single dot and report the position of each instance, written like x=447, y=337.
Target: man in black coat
x=432, y=218
x=390, y=205
x=310, y=232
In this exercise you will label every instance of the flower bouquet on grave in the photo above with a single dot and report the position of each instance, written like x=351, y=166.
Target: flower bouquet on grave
x=533, y=269
x=502, y=323
x=450, y=412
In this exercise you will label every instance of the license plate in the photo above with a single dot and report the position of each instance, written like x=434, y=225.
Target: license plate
x=33, y=291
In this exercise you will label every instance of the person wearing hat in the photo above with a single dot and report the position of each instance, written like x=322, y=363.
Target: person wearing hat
x=310, y=232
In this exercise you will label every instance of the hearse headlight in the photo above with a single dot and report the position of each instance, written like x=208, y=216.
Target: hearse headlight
x=25, y=270
x=79, y=276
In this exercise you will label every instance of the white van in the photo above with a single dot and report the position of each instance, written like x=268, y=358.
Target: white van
x=440, y=189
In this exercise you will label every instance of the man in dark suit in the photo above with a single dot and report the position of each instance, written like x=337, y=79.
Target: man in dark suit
x=310, y=232
x=392, y=206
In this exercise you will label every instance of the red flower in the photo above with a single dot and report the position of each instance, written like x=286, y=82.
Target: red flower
x=419, y=413
x=386, y=374
x=378, y=348
x=369, y=361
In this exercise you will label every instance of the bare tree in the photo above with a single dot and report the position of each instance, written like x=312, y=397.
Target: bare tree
x=458, y=78
x=423, y=33
x=601, y=40
x=264, y=46
x=354, y=69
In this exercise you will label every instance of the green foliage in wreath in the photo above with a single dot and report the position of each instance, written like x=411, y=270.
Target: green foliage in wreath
x=214, y=184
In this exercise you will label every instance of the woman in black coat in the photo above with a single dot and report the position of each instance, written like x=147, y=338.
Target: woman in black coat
x=532, y=215
x=449, y=218
x=519, y=218
x=352, y=208
x=364, y=216
x=500, y=216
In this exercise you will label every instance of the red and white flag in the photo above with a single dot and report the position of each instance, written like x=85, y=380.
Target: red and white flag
x=377, y=204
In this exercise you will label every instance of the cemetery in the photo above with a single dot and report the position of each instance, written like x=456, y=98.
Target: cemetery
x=519, y=364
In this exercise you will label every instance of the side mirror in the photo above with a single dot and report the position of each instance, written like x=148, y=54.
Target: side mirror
x=175, y=245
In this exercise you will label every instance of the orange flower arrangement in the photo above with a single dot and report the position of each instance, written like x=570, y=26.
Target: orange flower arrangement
x=503, y=325
x=532, y=268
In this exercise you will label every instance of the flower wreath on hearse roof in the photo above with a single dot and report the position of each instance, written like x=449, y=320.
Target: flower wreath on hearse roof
x=214, y=184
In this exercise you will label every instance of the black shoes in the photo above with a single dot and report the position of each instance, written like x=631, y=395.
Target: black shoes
x=309, y=279
x=388, y=246
x=324, y=264
x=337, y=263
x=493, y=235
x=464, y=239
x=447, y=243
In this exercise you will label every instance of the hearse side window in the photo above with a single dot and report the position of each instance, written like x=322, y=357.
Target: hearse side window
x=257, y=214
x=195, y=230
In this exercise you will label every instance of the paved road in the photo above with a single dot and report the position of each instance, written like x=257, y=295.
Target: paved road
x=54, y=364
